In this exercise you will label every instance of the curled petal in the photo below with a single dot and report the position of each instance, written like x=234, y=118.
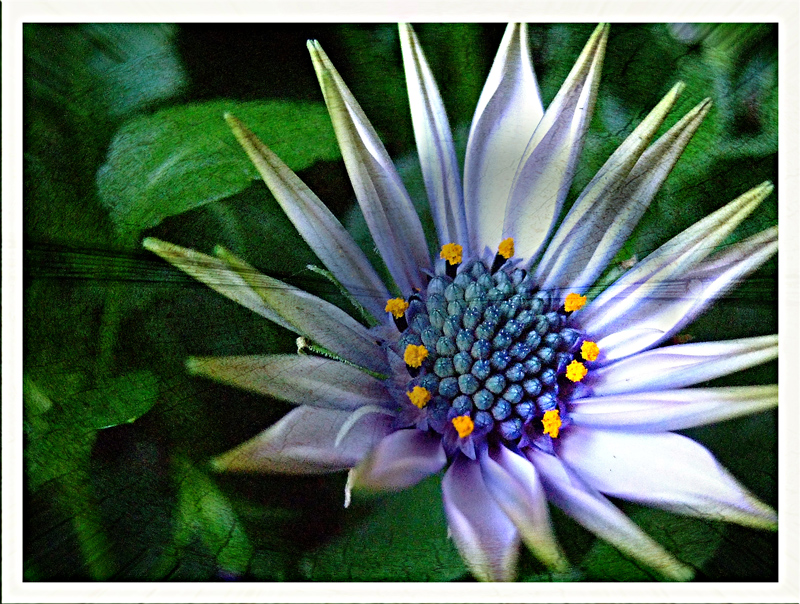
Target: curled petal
x=437, y=155
x=545, y=172
x=508, y=111
x=305, y=380
x=666, y=410
x=400, y=460
x=603, y=518
x=681, y=301
x=664, y=470
x=387, y=208
x=511, y=479
x=670, y=262
x=681, y=365
x=304, y=441
x=485, y=537
x=316, y=224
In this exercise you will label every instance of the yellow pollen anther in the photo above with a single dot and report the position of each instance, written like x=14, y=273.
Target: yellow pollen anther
x=419, y=396
x=574, y=302
x=551, y=422
x=576, y=371
x=414, y=355
x=506, y=249
x=589, y=351
x=452, y=253
x=396, y=306
x=463, y=425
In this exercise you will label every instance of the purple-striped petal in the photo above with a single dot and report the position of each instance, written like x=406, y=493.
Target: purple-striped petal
x=437, y=155
x=660, y=317
x=400, y=460
x=316, y=224
x=387, y=208
x=600, y=516
x=679, y=366
x=665, y=410
x=511, y=479
x=508, y=111
x=304, y=380
x=548, y=164
x=653, y=276
x=304, y=441
x=485, y=537
x=664, y=470
x=312, y=317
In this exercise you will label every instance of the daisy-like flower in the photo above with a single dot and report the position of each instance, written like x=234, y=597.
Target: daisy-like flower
x=491, y=362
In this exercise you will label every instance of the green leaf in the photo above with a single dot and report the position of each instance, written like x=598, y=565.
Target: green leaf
x=183, y=157
x=404, y=538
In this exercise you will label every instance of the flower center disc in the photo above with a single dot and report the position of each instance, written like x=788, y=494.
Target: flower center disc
x=495, y=350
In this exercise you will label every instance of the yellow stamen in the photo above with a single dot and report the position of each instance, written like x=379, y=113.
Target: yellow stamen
x=551, y=422
x=576, y=371
x=452, y=253
x=574, y=302
x=419, y=396
x=589, y=351
x=414, y=355
x=396, y=306
x=506, y=249
x=463, y=425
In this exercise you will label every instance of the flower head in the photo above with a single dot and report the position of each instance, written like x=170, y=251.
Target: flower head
x=493, y=364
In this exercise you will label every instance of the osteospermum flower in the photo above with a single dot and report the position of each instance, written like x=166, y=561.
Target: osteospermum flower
x=491, y=362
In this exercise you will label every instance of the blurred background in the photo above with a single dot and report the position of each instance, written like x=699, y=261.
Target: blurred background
x=124, y=138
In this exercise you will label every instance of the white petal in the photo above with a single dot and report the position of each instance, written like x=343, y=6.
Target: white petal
x=304, y=442
x=399, y=461
x=600, y=516
x=437, y=155
x=511, y=479
x=215, y=273
x=316, y=224
x=671, y=409
x=390, y=215
x=508, y=111
x=485, y=537
x=304, y=380
x=664, y=470
x=660, y=317
x=548, y=164
x=654, y=275
x=681, y=365
x=310, y=316
x=609, y=208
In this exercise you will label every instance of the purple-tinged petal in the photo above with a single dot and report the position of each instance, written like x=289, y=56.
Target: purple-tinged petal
x=400, y=460
x=652, y=277
x=682, y=301
x=512, y=481
x=680, y=365
x=304, y=380
x=215, y=273
x=387, y=208
x=316, y=224
x=666, y=410
x=485, y=537
x=312, y=317
x=437, y=155
x=600, y=516
x=548, y=164
x=304, y=441
x=664, y=470
x=611, y=205
x=508, y=111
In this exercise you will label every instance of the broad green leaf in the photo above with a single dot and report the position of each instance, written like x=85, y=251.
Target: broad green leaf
x=403, y=538
x=183, y=157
